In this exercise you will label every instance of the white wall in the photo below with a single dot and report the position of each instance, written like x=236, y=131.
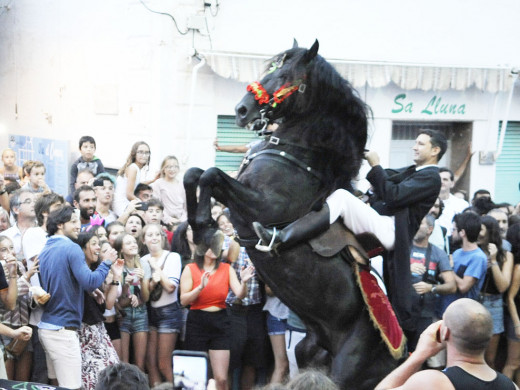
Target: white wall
x=120, y=73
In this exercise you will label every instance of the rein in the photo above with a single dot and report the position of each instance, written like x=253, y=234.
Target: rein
x=286, y=156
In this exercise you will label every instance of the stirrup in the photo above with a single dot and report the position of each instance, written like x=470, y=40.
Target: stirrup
x=266, y=248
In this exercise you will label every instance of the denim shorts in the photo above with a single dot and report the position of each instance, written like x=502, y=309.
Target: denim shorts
x=275, y=325
x=495, y=305
x=166, y=319
x=135, y=320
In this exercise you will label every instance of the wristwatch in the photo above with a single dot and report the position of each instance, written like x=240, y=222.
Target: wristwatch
x=433, y=289
x=114, y=283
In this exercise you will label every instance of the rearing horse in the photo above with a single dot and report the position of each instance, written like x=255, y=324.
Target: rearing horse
x=317, y=148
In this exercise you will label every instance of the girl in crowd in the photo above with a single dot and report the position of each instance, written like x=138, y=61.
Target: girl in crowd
x=10, y=170
x=170, y=190
x=133, y=300
x=165, y=316
x=4, y=220
x=18, y=368
x=134, y=226
x=277, y=314
x=205, y=285
x=496, y=282
x=99, y=231
x=110, y=314
x=114, y=229
x=97, y=351
x=183, y=244
x=513, y=305
x=134, y=171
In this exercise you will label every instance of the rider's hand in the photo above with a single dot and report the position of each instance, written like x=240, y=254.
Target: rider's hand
x=372, y=158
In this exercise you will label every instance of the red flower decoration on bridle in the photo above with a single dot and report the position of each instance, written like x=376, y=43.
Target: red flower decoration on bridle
x=259, y=91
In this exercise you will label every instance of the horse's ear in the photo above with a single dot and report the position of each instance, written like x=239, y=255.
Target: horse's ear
x=312, y=52
x=295, y=43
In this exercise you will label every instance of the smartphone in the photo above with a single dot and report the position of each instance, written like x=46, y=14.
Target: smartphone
x=190, y=370
x=98, y=183
x=143, y=206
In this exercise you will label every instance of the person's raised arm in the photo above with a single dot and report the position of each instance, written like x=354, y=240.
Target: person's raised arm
x=240, y=288
x=501, y=276
x=423, y=184
x=406, y=376
x=114, y=281
x=10, y=294
x=511, y=294
x=4, y=196
x=131, y=176
x=87, y=279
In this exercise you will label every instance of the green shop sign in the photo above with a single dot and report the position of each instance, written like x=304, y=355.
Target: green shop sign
x=435, y=106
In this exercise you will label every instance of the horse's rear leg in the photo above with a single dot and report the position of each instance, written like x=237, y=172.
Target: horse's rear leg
x=310, y=354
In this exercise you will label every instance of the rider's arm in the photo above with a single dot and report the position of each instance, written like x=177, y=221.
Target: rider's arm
x=420, y=185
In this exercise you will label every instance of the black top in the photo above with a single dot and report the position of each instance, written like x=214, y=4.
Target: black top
x=463, y=380
x=92, y=312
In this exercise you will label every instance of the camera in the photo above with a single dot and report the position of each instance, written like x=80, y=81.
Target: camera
x=190, y=370
x=98, y=183
x=143, y=206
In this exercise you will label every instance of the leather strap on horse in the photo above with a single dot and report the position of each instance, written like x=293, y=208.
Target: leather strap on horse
x=290, y=158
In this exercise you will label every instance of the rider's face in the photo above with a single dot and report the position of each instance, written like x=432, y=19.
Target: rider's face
x=423, y=151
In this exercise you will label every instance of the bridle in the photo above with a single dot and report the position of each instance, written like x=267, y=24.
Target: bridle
x=267, y=103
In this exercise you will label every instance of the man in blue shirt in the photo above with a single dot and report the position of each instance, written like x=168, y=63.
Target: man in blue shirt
x=65, y=275
x=469, y=262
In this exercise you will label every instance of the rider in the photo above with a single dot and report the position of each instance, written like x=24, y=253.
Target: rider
x=402, y=198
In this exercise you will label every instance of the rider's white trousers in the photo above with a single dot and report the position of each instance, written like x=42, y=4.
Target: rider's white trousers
x=361, y=218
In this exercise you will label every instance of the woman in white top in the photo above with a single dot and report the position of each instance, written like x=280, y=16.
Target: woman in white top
x=170, y=190
x=165, y=314
x=135, y=171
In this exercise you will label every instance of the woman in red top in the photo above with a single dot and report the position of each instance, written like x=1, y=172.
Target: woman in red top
x=205, y=285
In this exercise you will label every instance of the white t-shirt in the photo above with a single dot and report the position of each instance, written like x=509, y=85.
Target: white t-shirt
x=120, y=199
x=33, y=242
x=452, y=206
x=172, y=270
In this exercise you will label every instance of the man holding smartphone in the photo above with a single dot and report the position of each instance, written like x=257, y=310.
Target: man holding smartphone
x=464, y=332
x=65, y=275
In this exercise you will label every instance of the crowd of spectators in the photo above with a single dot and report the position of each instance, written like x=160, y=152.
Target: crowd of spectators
x=111, y=267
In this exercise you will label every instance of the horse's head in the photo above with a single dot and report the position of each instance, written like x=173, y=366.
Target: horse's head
x=279, y=91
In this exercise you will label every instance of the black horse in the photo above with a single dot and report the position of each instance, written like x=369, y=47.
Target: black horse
x=317, y=148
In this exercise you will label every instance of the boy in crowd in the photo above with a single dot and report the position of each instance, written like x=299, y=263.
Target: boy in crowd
x=469, y=262
x=154, y=214
x=36, y=173
x=87, y=160
x=104, y=189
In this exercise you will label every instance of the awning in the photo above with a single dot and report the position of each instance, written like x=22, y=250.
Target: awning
x=248, y=67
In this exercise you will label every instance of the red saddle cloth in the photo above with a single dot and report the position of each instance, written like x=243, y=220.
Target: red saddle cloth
x=381, y=312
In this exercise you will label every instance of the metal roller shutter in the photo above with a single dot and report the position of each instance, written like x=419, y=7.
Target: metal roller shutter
x=508, y=167
x=228, y=133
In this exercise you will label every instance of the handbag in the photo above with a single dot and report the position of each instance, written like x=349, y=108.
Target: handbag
x=16, y=347
x=156, y=293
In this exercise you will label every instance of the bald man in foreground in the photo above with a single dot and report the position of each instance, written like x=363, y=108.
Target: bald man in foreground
x=465, y=332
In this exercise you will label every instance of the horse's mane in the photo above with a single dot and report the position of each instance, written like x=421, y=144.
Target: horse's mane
x=329, y=115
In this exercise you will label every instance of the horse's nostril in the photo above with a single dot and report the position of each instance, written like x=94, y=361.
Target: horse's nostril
x=242, y=111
